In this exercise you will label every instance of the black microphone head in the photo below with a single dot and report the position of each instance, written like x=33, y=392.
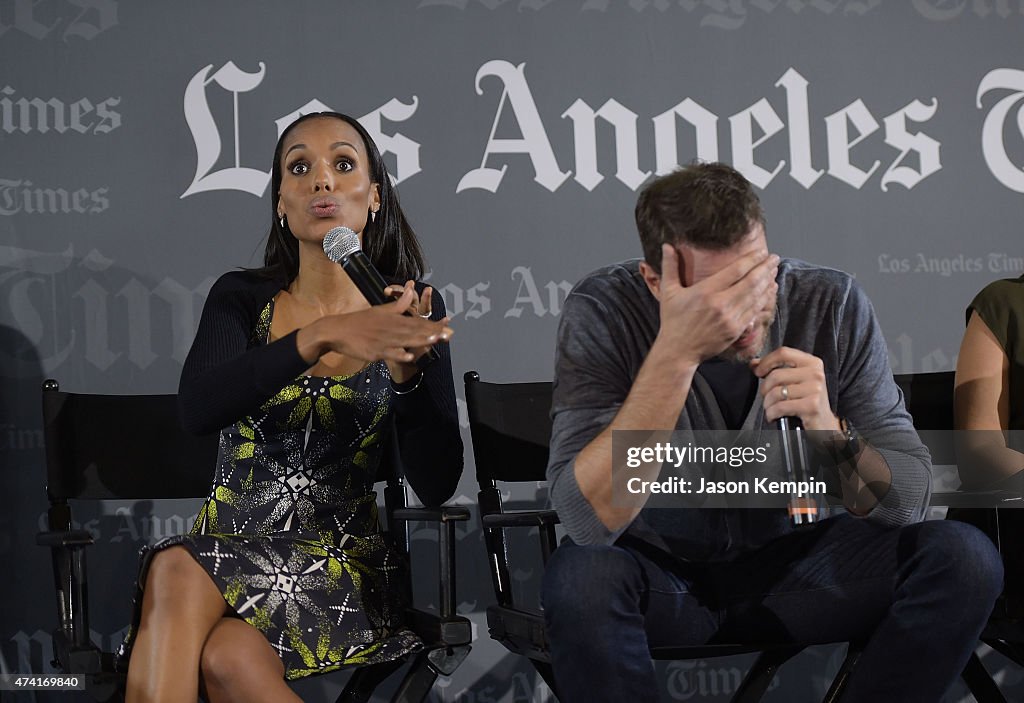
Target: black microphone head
x=339, y=243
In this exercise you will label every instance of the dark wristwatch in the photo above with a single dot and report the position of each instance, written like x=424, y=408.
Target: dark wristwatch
x=846, y=447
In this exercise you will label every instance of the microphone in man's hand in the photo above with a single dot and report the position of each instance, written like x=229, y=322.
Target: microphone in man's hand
x=342, y=246
x=803, y=510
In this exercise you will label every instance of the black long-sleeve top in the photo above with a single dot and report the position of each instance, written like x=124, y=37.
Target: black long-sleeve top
x=228, y=375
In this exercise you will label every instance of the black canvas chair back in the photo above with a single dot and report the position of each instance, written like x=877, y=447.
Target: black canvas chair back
x=126, y=447
x=511, y=425
x=928, y=398
x=90, y=437
x=511, y=429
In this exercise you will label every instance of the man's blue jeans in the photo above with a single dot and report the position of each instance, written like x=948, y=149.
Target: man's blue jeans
x=916, y=596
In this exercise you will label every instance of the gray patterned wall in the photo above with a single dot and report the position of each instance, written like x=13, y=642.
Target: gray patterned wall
x=887, y=139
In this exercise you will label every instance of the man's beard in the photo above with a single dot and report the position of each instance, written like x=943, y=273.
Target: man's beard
x=745, y=356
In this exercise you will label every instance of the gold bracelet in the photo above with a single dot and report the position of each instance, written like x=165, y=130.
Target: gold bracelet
x=398, y=392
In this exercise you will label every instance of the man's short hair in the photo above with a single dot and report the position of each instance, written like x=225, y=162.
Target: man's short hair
x=706, y=205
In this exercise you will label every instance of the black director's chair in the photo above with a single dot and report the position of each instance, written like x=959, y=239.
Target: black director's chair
x=124, y=447
x=929, y=400
x=511, y=429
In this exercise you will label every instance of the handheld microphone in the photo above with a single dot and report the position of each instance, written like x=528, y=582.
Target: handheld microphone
x=341, y=245
x=803, y=510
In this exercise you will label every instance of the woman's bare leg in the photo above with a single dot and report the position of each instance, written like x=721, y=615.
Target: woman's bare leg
x=180, y=607
x=238, y=664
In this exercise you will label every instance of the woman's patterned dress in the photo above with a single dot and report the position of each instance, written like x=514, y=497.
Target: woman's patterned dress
x=289, y=532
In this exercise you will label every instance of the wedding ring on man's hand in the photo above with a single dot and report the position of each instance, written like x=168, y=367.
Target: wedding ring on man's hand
x=785, y=393
x=426, y=315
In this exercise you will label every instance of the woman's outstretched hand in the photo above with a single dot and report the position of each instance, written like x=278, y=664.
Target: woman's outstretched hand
x=419, y=307
x=383, y=332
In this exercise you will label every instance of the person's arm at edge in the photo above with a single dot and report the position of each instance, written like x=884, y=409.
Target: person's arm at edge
x=982, y=404
x=427, y=424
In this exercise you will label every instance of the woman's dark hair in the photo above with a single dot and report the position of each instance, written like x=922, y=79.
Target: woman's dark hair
x=388, y=240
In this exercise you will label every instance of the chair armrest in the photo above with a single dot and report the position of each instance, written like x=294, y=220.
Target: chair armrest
x=64, y=538
x=976, y=499
x=446, y=513
x=453, y=630
x=522, y=518
x=445, y=518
